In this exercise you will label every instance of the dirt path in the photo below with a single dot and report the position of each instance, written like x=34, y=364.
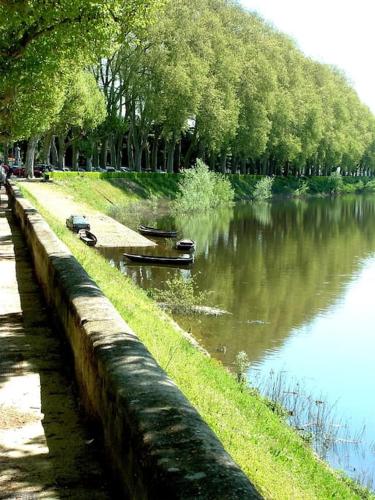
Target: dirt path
x=45, y=450
x=109, y=232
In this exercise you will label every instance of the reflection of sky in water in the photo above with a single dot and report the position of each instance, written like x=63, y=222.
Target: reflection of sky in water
x=336, y=351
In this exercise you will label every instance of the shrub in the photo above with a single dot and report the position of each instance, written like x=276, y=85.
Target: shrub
x=180, y=295
x=302, y=189
x=369, y=187
x=200, y=189
x=242, y=364
x=263, y=189
x=335, y=183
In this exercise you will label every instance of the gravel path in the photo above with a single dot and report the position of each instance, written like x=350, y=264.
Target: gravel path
x=109, y=232
x=45, y=449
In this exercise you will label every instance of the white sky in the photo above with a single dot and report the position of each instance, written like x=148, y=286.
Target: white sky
x=330, y=31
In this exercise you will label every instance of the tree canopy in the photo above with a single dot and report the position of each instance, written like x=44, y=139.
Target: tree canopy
x=206, y=80
x=42, y=42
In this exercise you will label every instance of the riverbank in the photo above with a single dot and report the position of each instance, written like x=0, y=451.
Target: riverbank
x=115, y=188
x=274, y=457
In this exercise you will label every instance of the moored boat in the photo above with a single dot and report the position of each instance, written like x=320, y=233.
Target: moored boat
x=152, y=231
x=185, y=244
x=87, y=237
x=156, y=259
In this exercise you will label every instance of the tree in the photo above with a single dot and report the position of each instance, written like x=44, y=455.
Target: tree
x=40, y=41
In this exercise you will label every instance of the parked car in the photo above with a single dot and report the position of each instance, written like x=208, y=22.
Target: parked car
x=110, y=169
x=21, y=172
x=77, y=222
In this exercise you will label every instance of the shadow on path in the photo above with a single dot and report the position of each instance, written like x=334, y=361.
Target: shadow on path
x=47, y=449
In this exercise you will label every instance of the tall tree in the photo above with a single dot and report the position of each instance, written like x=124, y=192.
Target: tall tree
x=40, y=40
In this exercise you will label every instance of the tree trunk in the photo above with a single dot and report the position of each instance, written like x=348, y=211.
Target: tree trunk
x=46, y=148
x=170, y=162
x=165, y=157
x=113, y=152
x=213, y=162
x=138, y=158
x=223, y=163
x=103, y=153
x=30, y=156
x=190, y=148
x=243, y=166
x=62, y=148
x=147, y=156
x=179, y=156
x=154, y=154
x=119, y=150
x=75, y=156
x=130, y=153
x=54, y=155
x=6, y=153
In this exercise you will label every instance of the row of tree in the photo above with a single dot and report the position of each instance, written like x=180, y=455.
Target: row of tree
x=203, y=79
x=46, y=47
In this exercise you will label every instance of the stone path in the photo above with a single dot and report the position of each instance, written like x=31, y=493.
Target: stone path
x=46, y=451
x=109, y=232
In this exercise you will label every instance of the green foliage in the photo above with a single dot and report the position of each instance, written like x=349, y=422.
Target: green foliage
x=180, y=295
x=302, y=189
x=369, y=187
x=241, y=364
x=263, y=189
x=43, y=43
x=326, y=185
x=335, y=183
x=84, y=105
x=201, y=189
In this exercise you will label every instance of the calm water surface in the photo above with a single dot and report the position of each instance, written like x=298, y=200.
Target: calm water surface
x=298, y=281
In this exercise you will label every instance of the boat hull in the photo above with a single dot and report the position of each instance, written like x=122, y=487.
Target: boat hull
x=153, y=259
x=185, y=245
x=87, y=237
x=152, y=231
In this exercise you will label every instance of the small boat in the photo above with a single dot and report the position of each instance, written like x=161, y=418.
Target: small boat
x=185, y=244
x=152, y=231
x=154, y=259
x=87, y=237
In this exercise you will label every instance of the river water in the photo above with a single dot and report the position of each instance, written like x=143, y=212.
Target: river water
x=297, y=279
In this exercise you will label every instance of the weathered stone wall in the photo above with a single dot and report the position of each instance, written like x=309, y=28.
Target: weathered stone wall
x=159, y=446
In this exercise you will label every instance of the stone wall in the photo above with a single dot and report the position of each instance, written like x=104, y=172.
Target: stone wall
x=158, y=445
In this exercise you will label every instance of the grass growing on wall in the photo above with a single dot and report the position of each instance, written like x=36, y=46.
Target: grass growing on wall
x=274, y=457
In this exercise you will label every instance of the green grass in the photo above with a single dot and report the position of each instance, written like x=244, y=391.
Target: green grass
x=276, y=459
x=115, y=189
x=120, y=188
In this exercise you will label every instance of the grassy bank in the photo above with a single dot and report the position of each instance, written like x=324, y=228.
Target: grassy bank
x=277, y=460
x=117, y=188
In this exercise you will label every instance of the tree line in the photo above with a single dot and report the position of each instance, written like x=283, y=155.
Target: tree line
x=176, y=81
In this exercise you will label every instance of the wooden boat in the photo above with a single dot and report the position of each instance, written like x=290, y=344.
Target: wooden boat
x=87, y=237
x=155, y=259
x=185, y=245
x=152, y=231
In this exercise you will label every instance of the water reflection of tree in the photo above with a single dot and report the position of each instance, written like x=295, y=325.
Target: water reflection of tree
x=274, y=278
x=271, y=277
x=261, y=211
x=206, y=228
